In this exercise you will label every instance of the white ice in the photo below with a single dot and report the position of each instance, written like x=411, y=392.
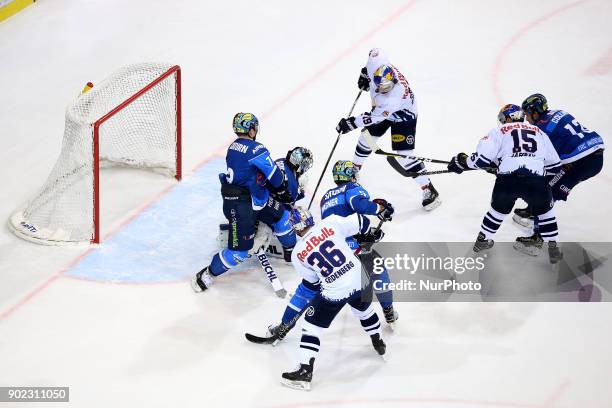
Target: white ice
x=156, y=343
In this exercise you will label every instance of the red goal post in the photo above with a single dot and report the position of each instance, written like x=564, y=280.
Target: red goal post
x=133, y=118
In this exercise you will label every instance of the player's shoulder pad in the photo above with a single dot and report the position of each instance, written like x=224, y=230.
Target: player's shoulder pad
x=257, y=148
x=356, y=189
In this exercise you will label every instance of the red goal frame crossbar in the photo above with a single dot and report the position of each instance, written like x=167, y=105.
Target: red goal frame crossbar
x=176, y=71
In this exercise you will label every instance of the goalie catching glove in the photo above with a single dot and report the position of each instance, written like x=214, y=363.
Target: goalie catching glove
x=385, y=209
x=458, y=163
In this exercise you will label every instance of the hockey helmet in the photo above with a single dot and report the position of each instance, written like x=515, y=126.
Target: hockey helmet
x=243, y=122
x=384, y=78
x=300, y=219
x=510, y=113
x=535, y=103
x=344, y=171
x=299, y=159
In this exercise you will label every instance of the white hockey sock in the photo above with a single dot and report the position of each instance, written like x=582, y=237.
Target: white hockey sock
x=413, y=166
x=310, y=343
x=369, y=320
x=362, y=150
x=491, y=223
x=547, y=225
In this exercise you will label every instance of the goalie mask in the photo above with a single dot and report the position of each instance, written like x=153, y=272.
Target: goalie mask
x=299, y=159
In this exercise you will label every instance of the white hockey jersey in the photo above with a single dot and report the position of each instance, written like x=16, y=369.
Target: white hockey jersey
x=386, y=106
x=516, y=146
x=322, y=255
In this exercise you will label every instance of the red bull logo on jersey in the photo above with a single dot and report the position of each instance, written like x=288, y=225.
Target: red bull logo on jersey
x=507, y=128
x=314, y=241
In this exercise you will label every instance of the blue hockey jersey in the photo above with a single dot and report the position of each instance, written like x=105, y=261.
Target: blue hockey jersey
x=245, y=159
x=347, y=199
x=571, y=140
x=293, y=186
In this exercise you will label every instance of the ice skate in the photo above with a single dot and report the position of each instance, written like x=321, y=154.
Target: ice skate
x=431, y=198
x=391, y=316
x=379, y=345
x=202, y=280
x=299, y=379
x=482, y=243
x=523, y=217
x=554, y=253
x=531, y=245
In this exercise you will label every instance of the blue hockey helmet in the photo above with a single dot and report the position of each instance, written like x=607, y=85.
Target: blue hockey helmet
x=510, y=113
x=344, y=171
x=384, y=78
x=300, y=219
x=243, y=122
x=300, y=159
x=535, y=103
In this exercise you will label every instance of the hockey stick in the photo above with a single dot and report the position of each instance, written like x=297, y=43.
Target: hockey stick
x=374, y=146
x=314, y=193
x=264, y=262
x=405, y=173
x=274, y=339
x=270, y=274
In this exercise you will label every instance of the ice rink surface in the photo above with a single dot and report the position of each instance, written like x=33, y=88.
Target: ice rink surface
x=119, y=324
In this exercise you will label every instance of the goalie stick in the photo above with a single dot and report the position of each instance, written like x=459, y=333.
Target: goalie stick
x=277, y=285
x=261, y=241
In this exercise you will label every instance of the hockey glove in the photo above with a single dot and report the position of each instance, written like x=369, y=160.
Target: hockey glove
x=282, y=193
x=363, y=82
x=458, y=163
x=373, y=235
x=385, y=209
x=492, y=169
x=346, y=125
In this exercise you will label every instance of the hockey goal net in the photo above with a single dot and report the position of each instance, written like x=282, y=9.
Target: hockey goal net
x=133, y=118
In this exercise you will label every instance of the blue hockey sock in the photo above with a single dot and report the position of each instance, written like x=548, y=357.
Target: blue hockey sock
x=385, y=298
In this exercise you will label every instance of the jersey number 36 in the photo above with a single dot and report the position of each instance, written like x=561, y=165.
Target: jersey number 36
x=326, y=258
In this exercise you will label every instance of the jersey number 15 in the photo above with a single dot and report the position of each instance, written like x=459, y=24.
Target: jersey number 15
x=527, y=136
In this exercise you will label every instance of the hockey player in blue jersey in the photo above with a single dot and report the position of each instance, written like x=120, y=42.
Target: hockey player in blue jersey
x=346, y=199
x=246, y=201
x=580, y=151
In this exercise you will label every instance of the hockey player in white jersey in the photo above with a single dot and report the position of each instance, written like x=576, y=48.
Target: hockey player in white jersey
x=394, y=107
x=323, y=256
x=525, y=155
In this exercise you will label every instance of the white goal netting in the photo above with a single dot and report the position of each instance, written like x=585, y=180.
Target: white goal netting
x=131, y=119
